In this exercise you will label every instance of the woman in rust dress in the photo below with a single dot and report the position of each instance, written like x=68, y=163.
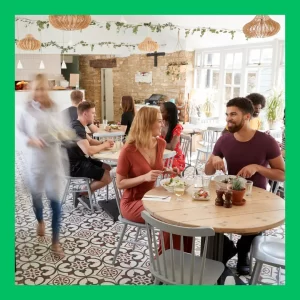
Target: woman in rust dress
x=140, y=163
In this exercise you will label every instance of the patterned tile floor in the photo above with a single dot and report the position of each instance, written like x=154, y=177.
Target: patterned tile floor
x=89, y=242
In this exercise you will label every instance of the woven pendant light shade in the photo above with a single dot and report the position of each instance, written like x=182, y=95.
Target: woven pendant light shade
x=29, y=43
x=261, y=27
x=70, y=22
x=148, y=45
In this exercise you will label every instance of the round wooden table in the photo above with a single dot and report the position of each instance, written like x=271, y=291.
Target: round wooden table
x=262, y=210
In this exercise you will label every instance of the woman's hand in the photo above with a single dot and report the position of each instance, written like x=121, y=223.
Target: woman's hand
x=171, y=171
x=36, y=143
x=152, y=175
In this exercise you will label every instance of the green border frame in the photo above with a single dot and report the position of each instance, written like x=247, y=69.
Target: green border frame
x=192, y=7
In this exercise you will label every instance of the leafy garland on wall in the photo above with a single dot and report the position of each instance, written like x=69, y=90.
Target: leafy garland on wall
x=135, y=27
x=84, y=44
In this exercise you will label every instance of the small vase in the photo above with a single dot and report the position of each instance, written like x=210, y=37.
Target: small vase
x=238, y=196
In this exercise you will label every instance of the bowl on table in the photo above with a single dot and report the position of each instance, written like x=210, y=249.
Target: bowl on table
x=222, y=181
x=169, y=183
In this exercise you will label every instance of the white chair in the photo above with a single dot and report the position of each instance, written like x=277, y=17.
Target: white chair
x=277, y=186
x=125, y=223
x=84, y=186
x=267, y=250
x=210, y=137
x=186, y=147
x=167, y=162
x=176, y=266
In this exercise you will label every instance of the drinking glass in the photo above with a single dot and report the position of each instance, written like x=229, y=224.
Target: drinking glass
x=206, y=180
x=249, y=185
x=179, y=191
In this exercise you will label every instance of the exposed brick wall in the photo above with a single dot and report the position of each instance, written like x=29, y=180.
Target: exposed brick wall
x=124, y=78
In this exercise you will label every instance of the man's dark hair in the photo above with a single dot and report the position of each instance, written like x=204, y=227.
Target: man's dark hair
x=244, y=104
x=83, y=106
x=257, y=98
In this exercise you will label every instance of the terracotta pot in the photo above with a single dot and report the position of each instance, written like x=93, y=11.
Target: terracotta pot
x=238, y=196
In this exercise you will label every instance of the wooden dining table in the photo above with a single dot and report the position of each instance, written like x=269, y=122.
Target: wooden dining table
x=262, y=210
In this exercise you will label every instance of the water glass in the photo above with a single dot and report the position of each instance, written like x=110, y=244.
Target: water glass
x=197, y=182
x=248, y=186
x=179, y=191
x=104, y=123
x=206, y=180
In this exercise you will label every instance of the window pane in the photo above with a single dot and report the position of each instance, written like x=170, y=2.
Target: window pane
x=254, y=56
x=237, y=60
x=237, y=78
x=198, y=83
x=227, y=94
x=266, y=56
x=251, y=82
x=228, y=78
x=283, y=56
x=229, y=61
x=265, y=81
x=208, y=79
x=198, y=60
x=236, y=92
x=216, y=59
x=215, y=79
x=212, y=59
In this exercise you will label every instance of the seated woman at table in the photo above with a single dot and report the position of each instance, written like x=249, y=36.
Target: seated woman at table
x=171, y=132
x=127, y=105
x=140, y=163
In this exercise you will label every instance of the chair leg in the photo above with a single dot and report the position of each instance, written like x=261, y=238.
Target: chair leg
x=251, y=262
x=66, y=191
x=279, y=275
x=136, y=236
x=119, y=243
x=107, y=191
x=256, y=273
x=90, y=196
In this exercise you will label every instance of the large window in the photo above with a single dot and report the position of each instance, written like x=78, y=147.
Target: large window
x=240, y=70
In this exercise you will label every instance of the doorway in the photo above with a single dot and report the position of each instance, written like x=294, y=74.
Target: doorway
x=107, y=103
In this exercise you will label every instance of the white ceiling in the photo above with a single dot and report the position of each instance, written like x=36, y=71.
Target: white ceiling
x=167, y=38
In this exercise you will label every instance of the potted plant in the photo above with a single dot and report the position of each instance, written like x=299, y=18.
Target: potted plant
x=274, y=109
x=238, y=191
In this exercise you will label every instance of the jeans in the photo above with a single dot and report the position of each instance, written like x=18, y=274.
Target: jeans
x=56, y=213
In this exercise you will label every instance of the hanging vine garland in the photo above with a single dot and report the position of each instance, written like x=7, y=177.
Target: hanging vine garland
x=135, y=27
x=84, y=44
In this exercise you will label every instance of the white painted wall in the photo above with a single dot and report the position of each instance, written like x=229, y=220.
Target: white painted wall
x=31, y=63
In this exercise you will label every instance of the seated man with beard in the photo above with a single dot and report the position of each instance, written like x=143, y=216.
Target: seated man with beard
x=247, y=152
x=259, y=102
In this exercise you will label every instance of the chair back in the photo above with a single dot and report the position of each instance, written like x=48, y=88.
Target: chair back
x=185, y=143
x=118, y=193
x=175, y=266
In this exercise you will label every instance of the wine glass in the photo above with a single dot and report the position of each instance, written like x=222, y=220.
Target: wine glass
x=179, y=191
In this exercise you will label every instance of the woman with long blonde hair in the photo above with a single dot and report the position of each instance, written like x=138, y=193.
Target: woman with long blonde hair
x=38, y=130
x=140, y=162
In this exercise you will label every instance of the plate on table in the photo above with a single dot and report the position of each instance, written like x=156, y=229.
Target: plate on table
x=201, y=195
